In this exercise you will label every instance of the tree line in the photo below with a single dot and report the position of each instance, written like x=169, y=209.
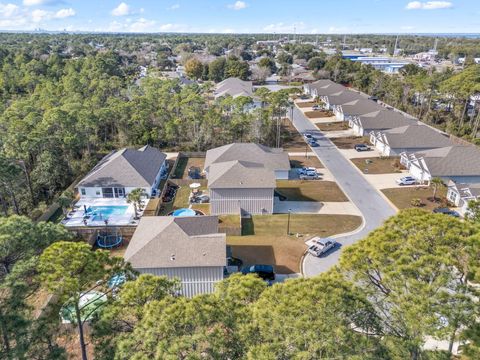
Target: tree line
x=410, y=280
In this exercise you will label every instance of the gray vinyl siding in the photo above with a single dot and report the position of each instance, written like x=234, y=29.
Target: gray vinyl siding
x=195, y=280
x=251, y=201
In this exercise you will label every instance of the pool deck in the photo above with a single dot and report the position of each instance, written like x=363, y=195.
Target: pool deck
x=76, y=218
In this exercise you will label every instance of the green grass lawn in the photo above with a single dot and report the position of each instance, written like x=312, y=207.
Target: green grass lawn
x=402, y=197
x=265, y=239
x=310, y=190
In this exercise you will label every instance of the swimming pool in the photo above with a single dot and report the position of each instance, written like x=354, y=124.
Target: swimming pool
x=107, y=210
x=184, y=212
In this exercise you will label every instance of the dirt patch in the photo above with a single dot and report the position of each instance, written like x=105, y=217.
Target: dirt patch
x=377, y=165
x=186, y=164
x=310, y=190
x=318, y=114
x=350, y=141
x=306, y=104
x=333, y=126
x=292, y=141
x=302, y=161
x=403, y=197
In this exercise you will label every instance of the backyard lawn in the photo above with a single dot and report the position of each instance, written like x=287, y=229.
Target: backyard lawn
x=184, y=163
x=350, y=141
x=302, y=161
x=333, y=126
x=310, y=190
x=402, y=197
x=377, y=165
x=265, y=239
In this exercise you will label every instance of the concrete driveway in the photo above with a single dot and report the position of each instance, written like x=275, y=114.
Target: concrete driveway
x=373, y=207
x=313, y=207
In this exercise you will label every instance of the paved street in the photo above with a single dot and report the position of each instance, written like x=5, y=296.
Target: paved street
x=374, y=208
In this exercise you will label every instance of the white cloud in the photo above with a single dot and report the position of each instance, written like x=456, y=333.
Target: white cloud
x=238, y=5
x=285, y=28
x=41, y=2
x=8, y=10
x=407, y=27
x=337, y=30
x=429, y=5
x=64, y=13
x=174, y=7
x=121, y=10
x=39, y=15
x=142, y=25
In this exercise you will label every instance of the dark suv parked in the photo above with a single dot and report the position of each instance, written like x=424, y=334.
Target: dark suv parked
x=265, y=272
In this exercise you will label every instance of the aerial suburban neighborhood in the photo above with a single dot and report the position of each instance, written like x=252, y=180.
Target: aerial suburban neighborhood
x=238, y=180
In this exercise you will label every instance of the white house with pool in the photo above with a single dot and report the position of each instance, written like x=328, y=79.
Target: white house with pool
x=103, y=192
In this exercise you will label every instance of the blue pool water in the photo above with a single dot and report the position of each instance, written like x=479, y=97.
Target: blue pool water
x=184, y=212
x=107, y=211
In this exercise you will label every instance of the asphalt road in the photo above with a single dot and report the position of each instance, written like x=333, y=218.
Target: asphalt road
x=374, y=208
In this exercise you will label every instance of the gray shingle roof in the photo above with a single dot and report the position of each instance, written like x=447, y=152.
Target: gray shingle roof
x=326, y=87
x=240, y=174
x=384, y=119
x=416, y=136
x=126, y=168
x=234, y=87
x=169, y=242
x=460, y=160
x=344, y=97
x=361, y=107
x=270, y=158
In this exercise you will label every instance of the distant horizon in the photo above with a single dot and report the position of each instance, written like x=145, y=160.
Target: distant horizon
x=243, y=16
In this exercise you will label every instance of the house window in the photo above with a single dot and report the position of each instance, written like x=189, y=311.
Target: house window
x=107, y=192
x=119, y=192
x=97, y=192
x=452, y=196
x=83, y=192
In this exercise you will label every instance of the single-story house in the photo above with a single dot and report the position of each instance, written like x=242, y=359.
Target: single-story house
x=459, y=163
x=121, y=171
x=378, y=121
x=187, y=248
x=271, y=158
x=344, y=97
x=241, y=187
x=408, y=138
x=242, y=177
x=461, y=194
x=357, y=107
x=323, y=87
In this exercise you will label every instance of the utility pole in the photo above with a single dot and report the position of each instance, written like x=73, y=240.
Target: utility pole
x=395, y=48
x=288, y=221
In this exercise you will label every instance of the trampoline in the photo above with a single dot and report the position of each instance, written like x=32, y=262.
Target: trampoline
x=184, y=212
x=109, y=241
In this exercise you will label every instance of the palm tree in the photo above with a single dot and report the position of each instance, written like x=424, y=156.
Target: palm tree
x=436, y=182
x=135, y=197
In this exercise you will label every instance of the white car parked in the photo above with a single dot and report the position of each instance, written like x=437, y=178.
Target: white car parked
x=321, y=246
x=407, y=180
x=304, y=170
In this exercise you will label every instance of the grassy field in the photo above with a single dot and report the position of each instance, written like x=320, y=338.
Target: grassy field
x=265, y=239
x=310, y=190
x=402, y=197
x=349, y=142
x=205, y=208
x=333, y=126
x=302, y=161
x=292, y=141
x=378, y=165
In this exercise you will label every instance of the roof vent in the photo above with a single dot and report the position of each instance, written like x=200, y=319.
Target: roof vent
x=172, y=257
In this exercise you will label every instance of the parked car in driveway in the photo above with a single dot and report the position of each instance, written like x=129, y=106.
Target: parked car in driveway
x=362, y=147
x=321, y=246
x=446, y=211
x=307, y=136
x=265, y=272
x=309, y=175
x=304, y=170
x=406, y=180
x=316, y=107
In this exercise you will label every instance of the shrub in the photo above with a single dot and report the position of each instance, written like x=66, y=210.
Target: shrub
x=416, y=202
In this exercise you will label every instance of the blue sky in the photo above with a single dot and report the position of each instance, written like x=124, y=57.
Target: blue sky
x=248, y=16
